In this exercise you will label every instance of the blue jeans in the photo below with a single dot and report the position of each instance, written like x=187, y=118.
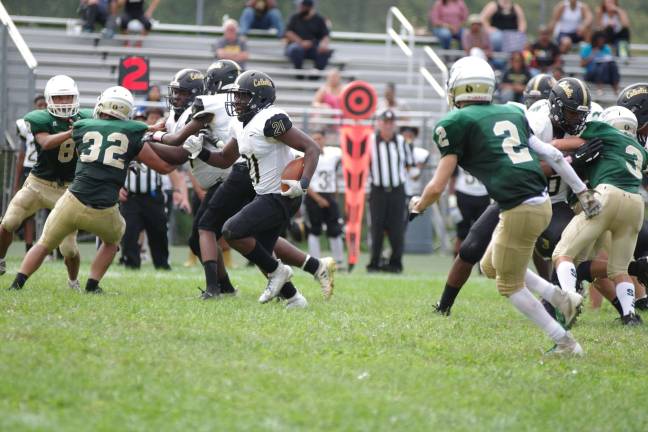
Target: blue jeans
x=445, y=36
x=296, y=53
x=603, y=73
x=272, y=19
x=496, y=40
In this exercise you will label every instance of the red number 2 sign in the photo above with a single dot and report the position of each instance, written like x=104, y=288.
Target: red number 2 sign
x=134, y=73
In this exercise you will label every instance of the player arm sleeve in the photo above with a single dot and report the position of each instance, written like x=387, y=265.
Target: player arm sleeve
x=557, y=161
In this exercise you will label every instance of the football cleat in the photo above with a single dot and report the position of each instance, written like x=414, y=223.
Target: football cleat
x=325, y=275
x=567, y=345
x=96, y=291
x=438, y=310
x=74, y=285
x=297, y=301
x=3, y=266
x=631, y=320
x=211, y=292
x=276, y=280
x=569, y=304
x=642, y=304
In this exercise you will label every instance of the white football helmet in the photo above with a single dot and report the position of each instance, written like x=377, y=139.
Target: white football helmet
x=116, y=102
x=471, y=79
x=621, y=118
x=62, y=85
x=595, y=112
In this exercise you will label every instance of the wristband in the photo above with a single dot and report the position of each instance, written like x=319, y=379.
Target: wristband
x=304, y=182
x=204, y=155
x=157, y=136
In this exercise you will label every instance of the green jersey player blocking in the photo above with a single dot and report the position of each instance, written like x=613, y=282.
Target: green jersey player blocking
x=493, y=143
x=106, y=145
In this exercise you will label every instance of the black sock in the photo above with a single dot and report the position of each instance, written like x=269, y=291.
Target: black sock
x=28, y=246
x=288, y=290
x=617, y=305
x=584, y=271
x=632, y=268
x=226, y=284
x=92, y=285
x=262, y=259
x=448, y=297
x=549, y=308
x=211, y=272
x=311, y=265
x=19, y=281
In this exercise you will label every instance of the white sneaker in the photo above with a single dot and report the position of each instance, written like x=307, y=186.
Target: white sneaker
x=276, y=280
x=297, y=301
x=325, y=275
x=74, y=285
x=3, y=266
x=567, y=345
x=569, y=304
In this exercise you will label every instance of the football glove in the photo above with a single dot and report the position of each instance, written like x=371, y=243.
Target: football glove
x=193, y=145
x=295, y=189
x=587, y=153
x=589, y=203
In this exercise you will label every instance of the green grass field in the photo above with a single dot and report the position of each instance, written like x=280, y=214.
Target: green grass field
x=149, y=356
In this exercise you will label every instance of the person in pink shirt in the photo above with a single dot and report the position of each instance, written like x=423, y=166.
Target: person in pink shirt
x=447, y=18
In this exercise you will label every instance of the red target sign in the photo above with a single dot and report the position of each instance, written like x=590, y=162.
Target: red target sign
x=359, y=100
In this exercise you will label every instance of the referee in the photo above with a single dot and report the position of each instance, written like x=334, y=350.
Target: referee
x=391, y=157
x=143, y=208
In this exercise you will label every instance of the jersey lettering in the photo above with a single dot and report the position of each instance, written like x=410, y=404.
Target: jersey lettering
x=66, y=151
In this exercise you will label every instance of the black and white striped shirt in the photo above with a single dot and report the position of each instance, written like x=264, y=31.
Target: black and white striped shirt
x=389, y=160
x=144, y=181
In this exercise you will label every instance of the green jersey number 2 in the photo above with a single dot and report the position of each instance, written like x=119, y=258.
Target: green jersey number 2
x=110, y=158
x=511, y=140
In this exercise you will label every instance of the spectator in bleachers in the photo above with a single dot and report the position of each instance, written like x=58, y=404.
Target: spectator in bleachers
x=600, y=67
x=546, y=54
x=558, y=73
x=390, y=102
x=95, y=12
x=447, y=18
x=134, y=11
x=232, y=46
x=328, y=95
x=308, y=37
x=506, y=25
x=261, y=15
x=476, y=38
x=570, y=23
x=154, y=94
x=614, y=20
x=514, y=79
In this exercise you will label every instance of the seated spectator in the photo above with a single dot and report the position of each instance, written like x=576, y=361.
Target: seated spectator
x=134, y=11
x=231, y=46
x=600, y=67
x=261, y=15
x=308, y=37
x=614, y=21
x=570, y=23
x=95, y=12
x=514, y=79
x=447, y=18
x=389, y=102
x=506, y=25
x=546, y=54
x=154, y=94
x=476, y=38
x=328, y=96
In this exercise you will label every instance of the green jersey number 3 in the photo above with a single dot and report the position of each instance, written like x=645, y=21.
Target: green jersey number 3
x=511, y=140
x=118, y=145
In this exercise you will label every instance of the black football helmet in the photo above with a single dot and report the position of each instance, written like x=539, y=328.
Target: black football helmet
x=538, y=88
x=220, y=74
x=184, y=87
x=570, y=103
x=251, y=92
x=635, y=98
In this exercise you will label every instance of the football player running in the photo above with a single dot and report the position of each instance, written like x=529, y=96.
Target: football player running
x=54, y=169
x=484, y=139
x=106, y=145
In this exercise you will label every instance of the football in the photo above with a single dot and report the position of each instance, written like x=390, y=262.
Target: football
x=293, y=171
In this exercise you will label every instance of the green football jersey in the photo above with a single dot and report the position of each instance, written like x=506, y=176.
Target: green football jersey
x=57, y=164
x=491, y=143
x=621, y=162
x=106, y=148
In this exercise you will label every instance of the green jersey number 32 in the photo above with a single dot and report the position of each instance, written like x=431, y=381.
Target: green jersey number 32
x=118, y=145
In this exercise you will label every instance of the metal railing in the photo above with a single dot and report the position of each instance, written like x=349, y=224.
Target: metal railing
x=406, y=46
x=427, y=75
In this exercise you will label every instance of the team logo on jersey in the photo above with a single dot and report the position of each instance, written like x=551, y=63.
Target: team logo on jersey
x=262, y=82
x=569, y=91
x=637, y=91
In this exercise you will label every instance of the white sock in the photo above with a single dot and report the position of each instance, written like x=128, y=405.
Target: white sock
x=337, y=248
x=626, y=296
x=530, y=307
x=538, y=285
x=566, y=272
x=314, y=246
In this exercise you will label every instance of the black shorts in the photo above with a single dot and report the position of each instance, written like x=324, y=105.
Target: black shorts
x=230, y=197
x=562, y=214
x=476, y=242
x=128, y=17
x=328, y=215
x=198, y=209
x=264, y=218
x=471, y=207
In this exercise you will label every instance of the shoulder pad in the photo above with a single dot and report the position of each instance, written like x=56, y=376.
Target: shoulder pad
x=22, y=128
x=277, y=125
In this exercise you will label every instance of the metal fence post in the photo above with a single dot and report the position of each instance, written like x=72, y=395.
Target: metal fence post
x=200, y=12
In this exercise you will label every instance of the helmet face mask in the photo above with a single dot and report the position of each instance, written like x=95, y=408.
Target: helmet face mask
x=178, y=98
x=220, y=74
x=570, y=104
x=56, y=87
x=183, y=89
x=251, y=92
